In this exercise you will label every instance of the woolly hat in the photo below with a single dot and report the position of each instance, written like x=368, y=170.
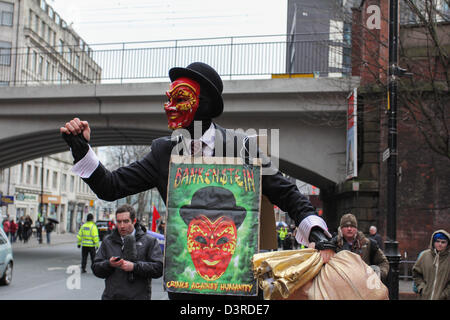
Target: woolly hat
x=348, y=220
x=440, y=235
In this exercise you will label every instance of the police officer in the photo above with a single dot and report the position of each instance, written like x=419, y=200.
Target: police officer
x=88, y=241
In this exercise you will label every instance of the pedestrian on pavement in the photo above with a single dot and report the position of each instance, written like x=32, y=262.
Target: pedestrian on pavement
x=88, y=241
x=350, y=238
x=113, y=264
x=6, y=227
x=287, y=242
x=282, y=233
x=162, y=227
x=39, y=225
x=431, y=272
x=27, y=230
x=375, y=236
x=194, y=100
x=20, y=228
x=13, y=230
x=49, y=227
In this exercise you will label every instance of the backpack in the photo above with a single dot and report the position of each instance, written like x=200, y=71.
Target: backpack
x=50, y=227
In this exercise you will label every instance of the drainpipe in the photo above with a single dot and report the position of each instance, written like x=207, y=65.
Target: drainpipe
x=17, y=41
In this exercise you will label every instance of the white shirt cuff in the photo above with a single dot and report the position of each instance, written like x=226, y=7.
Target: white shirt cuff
x=86, y=166
x=305, y=227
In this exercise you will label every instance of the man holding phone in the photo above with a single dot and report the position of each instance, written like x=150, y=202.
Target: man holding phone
x=113, y=264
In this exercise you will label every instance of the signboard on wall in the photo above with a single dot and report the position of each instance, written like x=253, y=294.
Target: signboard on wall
x=6, y=200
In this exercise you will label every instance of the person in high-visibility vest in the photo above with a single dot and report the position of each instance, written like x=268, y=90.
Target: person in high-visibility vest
x=88, y=241
x=283, y=233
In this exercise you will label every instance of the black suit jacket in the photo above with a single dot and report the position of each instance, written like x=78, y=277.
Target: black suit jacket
x=153, y=170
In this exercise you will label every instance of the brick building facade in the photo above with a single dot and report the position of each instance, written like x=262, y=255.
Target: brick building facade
x=423, y=205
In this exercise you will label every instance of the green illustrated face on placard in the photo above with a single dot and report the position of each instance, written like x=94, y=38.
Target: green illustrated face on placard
x=212, y=228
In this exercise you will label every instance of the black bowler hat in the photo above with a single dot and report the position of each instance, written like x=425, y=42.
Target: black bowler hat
x=209, y=81
x=213, y=202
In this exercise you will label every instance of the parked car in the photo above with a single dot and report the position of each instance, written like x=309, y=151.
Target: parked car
x=103, y=228
x=6, y=259
x=159, y=237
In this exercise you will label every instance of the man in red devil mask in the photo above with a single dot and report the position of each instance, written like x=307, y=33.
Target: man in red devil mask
x=194, y=96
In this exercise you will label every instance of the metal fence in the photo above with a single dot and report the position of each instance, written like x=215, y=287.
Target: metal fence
x=405, y=269
x=233, y=57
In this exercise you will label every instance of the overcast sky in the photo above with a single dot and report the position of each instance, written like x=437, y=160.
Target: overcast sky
x=101, y=21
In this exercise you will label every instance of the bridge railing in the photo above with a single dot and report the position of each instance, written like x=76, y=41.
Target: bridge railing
x=233, y=57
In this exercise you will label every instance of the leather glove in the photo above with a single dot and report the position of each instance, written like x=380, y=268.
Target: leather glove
x=320, y=239
x=78, y=246
x=78, y=145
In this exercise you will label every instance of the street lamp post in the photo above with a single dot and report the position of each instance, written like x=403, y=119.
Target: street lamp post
x=391, y=244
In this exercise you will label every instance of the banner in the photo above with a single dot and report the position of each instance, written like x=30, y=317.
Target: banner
x=212, y=232
x=155, y=217
x=352, y=137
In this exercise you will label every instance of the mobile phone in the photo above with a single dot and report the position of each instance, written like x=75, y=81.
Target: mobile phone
x=116, y=259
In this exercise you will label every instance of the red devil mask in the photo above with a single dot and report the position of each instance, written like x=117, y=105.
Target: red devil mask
x=211, y=245
x=183, y=102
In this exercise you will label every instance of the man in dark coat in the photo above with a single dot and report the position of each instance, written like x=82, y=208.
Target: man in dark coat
x=376, y=236
x=195, y=96
x=351, y=239
x=113, y=264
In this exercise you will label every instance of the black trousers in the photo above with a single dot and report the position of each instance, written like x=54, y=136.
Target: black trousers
x=84, y=256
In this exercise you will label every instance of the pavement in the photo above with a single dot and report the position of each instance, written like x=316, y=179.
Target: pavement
x=405, y=286
x=55, y=239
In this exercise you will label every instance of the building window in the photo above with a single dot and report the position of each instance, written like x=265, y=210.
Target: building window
x=55, y=180
x=34, y=62
x=51, y=13
x=30, y=19
x=47, y=178
x=77, y=62
x=49, y=35
x=36, y=23
x=28, y=180
x=43, y=5
x=61, y=47
x=28, y=57
x=5, y=53
x=21, y=173
x=36, y=175
x=63, y=182
x=41, y=64
x=47, y=70
x=72, y=183
x=6, y=14
x=52, y=72
x=43, y=29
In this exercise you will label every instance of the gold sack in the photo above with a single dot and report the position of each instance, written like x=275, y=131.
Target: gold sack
x=301, y=275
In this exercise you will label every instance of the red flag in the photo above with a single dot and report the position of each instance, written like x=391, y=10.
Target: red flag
x=155, y=216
